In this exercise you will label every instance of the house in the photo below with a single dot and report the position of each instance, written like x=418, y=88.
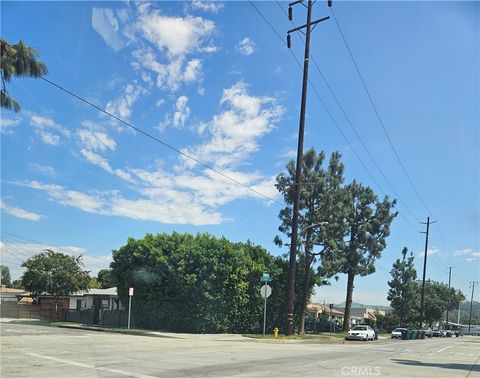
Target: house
x=315, y=309
x=106, y=299
x=8, y=294
x=95, y=306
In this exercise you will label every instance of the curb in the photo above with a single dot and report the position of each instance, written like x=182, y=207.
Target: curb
x=107, y=330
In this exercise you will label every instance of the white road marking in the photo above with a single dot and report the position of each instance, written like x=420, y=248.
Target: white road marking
x=79, y=364
x=441, y=350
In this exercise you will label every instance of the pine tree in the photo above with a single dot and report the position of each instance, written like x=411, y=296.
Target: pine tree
x=367, y=223
x=319, y=219
x=403, y=290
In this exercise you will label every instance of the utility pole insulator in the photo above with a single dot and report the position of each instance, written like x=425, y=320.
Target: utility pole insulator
x=330, y=3
x=290, y=13
x=289, y=41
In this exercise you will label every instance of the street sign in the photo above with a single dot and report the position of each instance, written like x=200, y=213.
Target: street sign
x=265, y=291
x=265, y=278
x=331, y=306
x=130, y=295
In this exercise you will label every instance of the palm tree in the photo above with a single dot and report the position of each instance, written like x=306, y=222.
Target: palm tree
x=17, y=60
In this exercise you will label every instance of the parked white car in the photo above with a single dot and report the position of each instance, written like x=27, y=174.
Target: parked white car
x=397, y=333
x=361, y=332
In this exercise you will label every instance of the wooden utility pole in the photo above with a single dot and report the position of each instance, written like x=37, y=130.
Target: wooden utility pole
x=422, y=298
x=449, y=279
x=472, y=285
x=298, y=173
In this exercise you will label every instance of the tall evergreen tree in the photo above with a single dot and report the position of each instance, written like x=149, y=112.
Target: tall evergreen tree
x=403, y=290
x=367, y=223
x=319, y=218
x=16, y=61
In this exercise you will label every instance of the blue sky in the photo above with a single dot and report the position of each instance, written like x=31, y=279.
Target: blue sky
x=214, y=81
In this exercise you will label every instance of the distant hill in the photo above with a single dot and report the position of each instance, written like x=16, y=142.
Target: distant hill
x=360, y=305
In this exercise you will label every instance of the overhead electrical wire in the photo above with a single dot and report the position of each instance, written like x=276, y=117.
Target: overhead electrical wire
x=378, y=114
x=367, y=91
x=329, y=113
x=347, y=118
x=148, y=135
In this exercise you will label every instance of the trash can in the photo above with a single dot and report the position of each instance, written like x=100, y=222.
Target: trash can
x=376, y=333
x=404, y=334
x=413, y=334
x=422, y=335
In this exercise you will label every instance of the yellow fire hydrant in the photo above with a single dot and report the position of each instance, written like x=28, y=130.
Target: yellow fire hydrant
x=275, y=332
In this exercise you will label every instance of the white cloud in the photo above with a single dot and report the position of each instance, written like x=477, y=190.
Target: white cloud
x=82, y=201
x=49, y=138
x=7, y=125
x=234, y=132
x=95, y=140
x=193, y=70
x=49, y=131
x=175, y=39
x=13, y=253
x=122, y=106
x=176, y=36
x=207, y=6
x=430, y=252
x=462, y=252
x=19, y=213
x=468, y=253
x=45, y=170
x=182, y=112
x=101, y=162
x=246, y=46
x=184, y=195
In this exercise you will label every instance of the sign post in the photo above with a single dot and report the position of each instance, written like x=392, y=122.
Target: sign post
x=331, y=320
x=265, y=292
x=130, y=295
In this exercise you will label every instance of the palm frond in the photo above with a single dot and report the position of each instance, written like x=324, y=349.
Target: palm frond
x=9, y=103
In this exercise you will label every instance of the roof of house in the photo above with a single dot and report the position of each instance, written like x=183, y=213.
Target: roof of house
x=10, y=292
x=320, y=308
x=112, y=291
x=109, y=291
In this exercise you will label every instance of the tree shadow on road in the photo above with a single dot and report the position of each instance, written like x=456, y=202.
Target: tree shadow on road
x=470, y=368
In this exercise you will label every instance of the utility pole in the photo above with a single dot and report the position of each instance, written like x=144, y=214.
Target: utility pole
x=472, y=285
x=298, y=172
x=449, y=278
x=424, y=270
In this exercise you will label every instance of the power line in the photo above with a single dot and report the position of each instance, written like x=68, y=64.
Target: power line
x=352, y=126
x=378, y=115
x=148, y=135
x=330, y=113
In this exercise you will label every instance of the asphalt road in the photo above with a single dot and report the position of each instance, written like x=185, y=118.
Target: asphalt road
x=39, y=351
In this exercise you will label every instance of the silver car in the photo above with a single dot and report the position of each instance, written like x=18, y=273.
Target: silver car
x=397, y=333
x=361, y=332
